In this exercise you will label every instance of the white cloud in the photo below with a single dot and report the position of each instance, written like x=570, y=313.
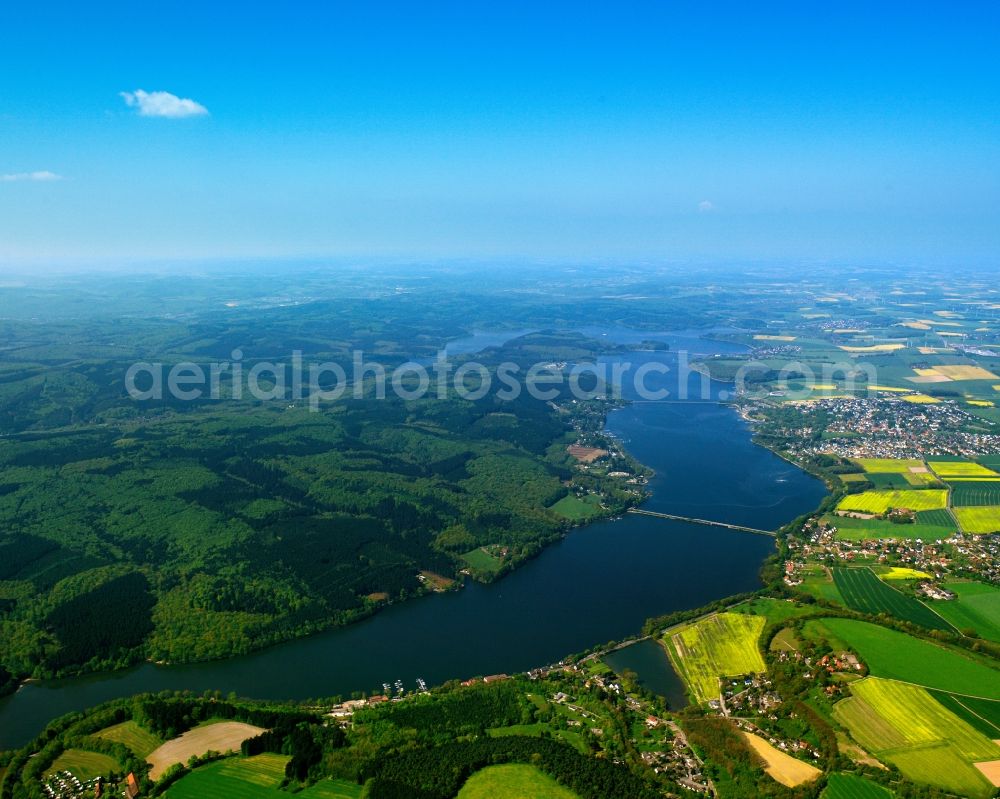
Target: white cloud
x=41, y=176
x=163, y=104
x=706, y=206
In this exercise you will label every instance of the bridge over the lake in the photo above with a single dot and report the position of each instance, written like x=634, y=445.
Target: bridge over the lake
x=741, y=528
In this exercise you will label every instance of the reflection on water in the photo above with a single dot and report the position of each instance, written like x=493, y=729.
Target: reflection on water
x=648, y=659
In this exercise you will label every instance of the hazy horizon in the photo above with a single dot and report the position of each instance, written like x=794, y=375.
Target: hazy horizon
x=657, y=132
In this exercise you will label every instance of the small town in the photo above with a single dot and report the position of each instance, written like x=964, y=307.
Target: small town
x=967, y=556
x=876, y=427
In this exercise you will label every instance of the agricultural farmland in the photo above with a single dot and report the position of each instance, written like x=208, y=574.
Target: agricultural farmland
x=983, y=714
x=889, y=465
x=863, y=591
x=721, y=645
x=979, y=519
x=919, y=479
x=906, y=726
x=782, y=767
x=890, y=481
x=898, y=656
x=880, y=501
x=222, y=736
x=256, y=777
x=946, y=374
x=903, y=573
x=929, y=525
x=977, y=607
x=850, y=786
x=138, y=739
x=85, y=765
x=968, y=470
x=975, y=492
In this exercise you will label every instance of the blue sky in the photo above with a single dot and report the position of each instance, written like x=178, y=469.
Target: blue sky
x=663, y=130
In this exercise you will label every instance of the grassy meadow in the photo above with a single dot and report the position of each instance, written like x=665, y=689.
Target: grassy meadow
x=138, y=739
x=85, y=765
x=817, y=581
x=481, y=561
x=575, y=509
x=774, y=610
x=513, y=781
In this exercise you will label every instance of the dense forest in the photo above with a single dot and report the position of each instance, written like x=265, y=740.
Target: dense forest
x=174, y=531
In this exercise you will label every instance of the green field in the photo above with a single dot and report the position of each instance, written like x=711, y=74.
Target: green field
x=980, y=519
x=84, y=765
x=898, y=656
x=818, y=583
x=892, y=480
x=722, y=645
x=252, y=778
x=977, y=608
x=960, y=469
x=887, y=465
x=575, y=509
x=930, y=525
x=983, y=714
x=850, y=786
x=975, y=492
x=944, y=767
x=574, y=739
x=921, y=479
x=905, y=725
x=331, y=789
x=136, y=738
x=513, y=781
x=775, y=610
x=864, y=592
x=937, y=518
x=785, y=641
x=881, y=501
x=482, y=561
